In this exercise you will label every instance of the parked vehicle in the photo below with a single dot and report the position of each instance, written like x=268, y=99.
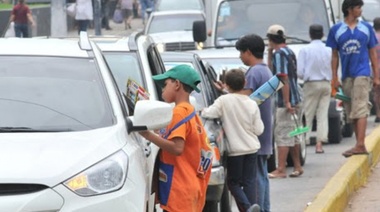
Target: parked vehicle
x=68, y=142
x=218, y=197
x=172, y=30
x=165, y=5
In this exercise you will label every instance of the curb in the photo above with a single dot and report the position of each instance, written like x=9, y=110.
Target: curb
x=351, y=176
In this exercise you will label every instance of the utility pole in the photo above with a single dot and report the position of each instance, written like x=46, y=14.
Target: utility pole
x=58, y=22
x=97, y=17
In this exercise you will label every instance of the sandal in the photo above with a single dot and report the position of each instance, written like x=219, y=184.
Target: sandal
x=273, y=176
x=353, y=151
x=296, y=173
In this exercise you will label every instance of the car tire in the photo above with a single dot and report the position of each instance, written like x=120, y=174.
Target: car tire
x=335, y=130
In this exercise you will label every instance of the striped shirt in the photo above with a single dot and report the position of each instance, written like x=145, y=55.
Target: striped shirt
x=284, y=62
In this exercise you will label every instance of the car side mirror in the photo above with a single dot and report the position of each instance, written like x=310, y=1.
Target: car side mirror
x=150, y=115
x=199, y=31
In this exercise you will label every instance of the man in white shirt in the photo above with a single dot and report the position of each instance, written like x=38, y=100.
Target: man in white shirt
x=314, y=67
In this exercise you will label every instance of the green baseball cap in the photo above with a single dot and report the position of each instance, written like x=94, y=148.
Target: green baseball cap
x=184, y=73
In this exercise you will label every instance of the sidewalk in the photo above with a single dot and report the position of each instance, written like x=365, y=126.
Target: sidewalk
x=367, y=199
x=117, y=29
x=344, y=190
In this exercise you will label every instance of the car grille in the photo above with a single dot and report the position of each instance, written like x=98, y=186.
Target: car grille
x=14, y=189
x=180, y=46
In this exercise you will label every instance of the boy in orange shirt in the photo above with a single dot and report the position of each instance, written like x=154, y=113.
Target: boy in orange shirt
x=185, y=157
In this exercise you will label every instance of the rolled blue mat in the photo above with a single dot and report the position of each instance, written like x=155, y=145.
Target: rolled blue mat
x=267, y=89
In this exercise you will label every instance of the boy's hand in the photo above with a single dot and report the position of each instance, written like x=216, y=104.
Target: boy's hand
x=146, y=134
x=219, y=85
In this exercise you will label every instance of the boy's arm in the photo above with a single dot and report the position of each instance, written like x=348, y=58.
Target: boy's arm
x=214, y=111
x=174, y=146
x=258, y=125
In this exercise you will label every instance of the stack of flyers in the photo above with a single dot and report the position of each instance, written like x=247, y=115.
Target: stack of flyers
x=135, y=92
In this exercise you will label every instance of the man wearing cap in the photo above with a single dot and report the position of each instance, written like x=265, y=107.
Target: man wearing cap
x=354, y=41
x=282, y=62
x=314, y=67
x=185, y=158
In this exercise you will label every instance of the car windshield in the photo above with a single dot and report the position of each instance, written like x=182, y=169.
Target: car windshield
x=45, y=94
x=164, y=5
x=178, y=22
x=240, y=17
x=220, y=64
x=200, y=99
x=370, y=9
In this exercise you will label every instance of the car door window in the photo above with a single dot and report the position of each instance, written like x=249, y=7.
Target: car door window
x=156, y=66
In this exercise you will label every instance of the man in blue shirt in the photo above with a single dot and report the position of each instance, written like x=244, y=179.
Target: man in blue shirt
x=354, y=41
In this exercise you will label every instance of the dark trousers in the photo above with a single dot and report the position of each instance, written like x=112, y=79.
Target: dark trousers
x=21, y=30
x=82, y=25
x=241, y=177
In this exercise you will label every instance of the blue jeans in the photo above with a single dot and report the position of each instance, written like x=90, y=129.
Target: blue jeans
x=262, y=197
x=21, y=29
x=145, y=4
x=241, y=177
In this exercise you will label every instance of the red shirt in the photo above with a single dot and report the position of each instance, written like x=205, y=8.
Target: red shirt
x=20, y=12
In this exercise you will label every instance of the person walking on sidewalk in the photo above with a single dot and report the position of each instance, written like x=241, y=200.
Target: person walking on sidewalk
x=251, y=48
x=185, y=158
x=20, y=15
x=84, y=14
x=145, y=5
x=282, y=61
x=376, y=90
x=242, y=123
x=354, y=41
x=126, y=7
x=314, y=67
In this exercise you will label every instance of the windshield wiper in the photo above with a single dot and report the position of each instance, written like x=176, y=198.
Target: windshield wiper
x=28, y=129
x=298, y=39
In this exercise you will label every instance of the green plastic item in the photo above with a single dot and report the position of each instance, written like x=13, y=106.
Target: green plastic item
x=299, y=129
x=340, y=95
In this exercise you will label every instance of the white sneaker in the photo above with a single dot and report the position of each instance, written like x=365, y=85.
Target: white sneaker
x=254, y=208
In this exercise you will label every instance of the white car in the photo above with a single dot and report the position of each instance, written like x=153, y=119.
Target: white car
x=67, y=140
x=172, y=30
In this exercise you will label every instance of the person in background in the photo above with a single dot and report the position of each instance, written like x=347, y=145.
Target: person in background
x=283, y=62
x=251, y=48
x=354, y=41
x=314, y=68
x=376, y=91
x=145, y=4
x=84, y=14
x=106, y=8
x=126, y=7
x=185, y=158
x=20, y=15
x=242, y=122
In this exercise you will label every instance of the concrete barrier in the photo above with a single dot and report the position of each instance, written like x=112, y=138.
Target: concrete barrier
x=350, y=177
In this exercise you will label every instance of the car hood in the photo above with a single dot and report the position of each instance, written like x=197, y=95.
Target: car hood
x=51, y=158
x=170, y=37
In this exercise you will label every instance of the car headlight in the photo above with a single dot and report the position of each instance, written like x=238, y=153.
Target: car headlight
x=105, y=176
x=160, y=47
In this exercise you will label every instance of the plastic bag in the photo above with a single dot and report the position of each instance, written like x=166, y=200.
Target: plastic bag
x=71, y=10
x=118, y=16
x=10, y=31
